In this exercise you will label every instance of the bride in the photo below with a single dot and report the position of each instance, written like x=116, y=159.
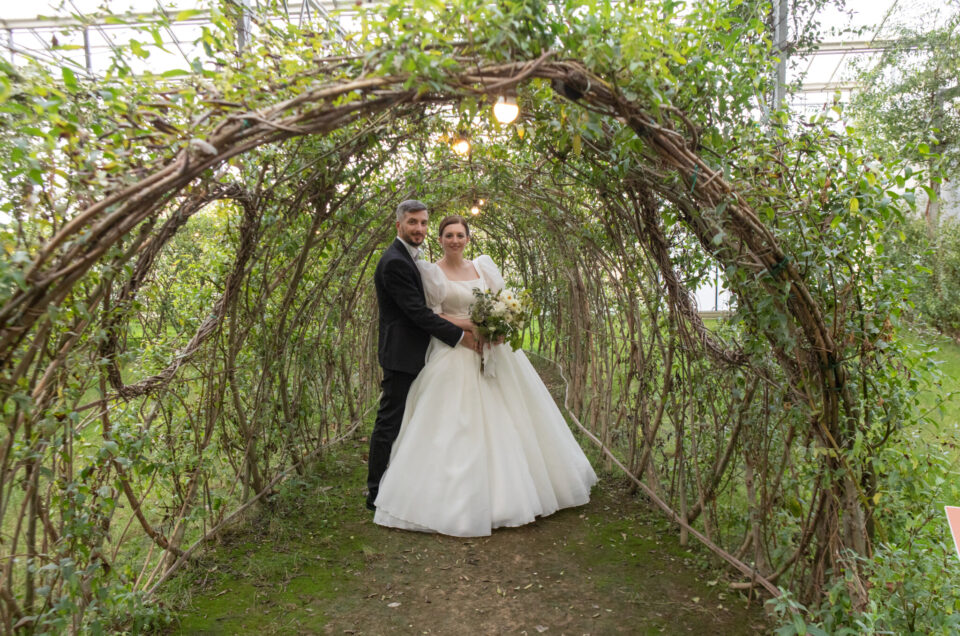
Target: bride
x=476, y=452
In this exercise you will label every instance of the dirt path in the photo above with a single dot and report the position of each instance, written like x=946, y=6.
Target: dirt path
x=316, y=563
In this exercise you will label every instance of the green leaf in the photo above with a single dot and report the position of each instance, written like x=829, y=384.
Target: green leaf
x=69, y=78
x=799, y=625
x=188, y=14
x=157, y=39
x=32, y=130
x=931, y=194
x=138, y=49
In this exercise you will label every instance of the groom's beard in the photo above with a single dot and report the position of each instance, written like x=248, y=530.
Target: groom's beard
x=411, y=240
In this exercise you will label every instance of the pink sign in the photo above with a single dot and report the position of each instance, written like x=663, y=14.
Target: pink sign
x=953, y=518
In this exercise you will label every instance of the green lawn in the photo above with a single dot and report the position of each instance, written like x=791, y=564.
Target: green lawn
x=941, y=395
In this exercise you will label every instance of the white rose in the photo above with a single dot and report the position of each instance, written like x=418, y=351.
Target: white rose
x=499, y=308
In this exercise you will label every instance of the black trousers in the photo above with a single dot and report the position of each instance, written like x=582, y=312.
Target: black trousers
x=396, y=386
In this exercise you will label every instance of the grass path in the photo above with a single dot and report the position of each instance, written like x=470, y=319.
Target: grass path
x=312, y=561
x=316, y=563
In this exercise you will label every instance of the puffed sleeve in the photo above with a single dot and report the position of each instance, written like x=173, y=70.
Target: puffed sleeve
x=490, y=272
x=434, y=284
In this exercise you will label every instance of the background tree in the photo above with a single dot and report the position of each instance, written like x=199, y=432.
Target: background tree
x=909, y=101
x=908, y=105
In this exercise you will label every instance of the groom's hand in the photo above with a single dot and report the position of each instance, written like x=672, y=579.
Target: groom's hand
x=470, y=341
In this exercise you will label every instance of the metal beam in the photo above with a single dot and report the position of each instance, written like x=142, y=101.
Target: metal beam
x=203, y=15
x=781, y=12
x=850, y=46
x=827, y=87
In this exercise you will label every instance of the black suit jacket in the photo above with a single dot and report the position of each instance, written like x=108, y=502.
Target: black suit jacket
x=406, y=323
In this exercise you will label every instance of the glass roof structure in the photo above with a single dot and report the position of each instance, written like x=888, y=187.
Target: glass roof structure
x=76, y=32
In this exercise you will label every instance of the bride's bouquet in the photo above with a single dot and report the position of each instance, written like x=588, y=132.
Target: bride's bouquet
x=500, y=315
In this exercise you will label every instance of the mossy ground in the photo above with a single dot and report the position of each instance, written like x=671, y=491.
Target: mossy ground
x=314, y=562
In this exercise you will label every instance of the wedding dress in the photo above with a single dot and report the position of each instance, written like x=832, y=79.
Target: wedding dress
x=477, y=452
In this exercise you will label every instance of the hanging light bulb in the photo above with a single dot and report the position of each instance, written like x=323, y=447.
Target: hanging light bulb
x=461, y=146
x=475, y=210
x=506, y=109
x=481, y=202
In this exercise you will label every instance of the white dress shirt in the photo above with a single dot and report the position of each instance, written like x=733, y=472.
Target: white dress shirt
x=412, y=250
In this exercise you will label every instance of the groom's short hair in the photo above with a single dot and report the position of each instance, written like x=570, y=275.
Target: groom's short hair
x=410, y=205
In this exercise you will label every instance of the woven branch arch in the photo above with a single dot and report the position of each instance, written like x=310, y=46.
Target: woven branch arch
x=671, y=171
x=52, y=273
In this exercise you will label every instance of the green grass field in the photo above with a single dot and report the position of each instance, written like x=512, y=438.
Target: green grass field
x=940, y=397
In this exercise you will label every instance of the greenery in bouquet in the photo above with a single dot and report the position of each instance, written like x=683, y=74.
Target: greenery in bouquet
x=502, y=314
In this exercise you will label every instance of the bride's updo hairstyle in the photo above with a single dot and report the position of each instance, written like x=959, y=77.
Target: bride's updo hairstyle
x=454, y=218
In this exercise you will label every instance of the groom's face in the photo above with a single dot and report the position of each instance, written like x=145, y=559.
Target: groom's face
x=413, y=227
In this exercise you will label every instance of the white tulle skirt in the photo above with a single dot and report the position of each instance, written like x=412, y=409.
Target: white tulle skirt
x=476, y=453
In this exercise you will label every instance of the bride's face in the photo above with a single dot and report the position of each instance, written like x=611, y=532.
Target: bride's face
x=454, y=238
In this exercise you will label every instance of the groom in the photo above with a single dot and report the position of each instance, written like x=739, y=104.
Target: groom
x=406, y=324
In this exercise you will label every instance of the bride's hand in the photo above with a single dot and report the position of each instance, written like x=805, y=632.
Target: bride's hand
x=499, y=340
